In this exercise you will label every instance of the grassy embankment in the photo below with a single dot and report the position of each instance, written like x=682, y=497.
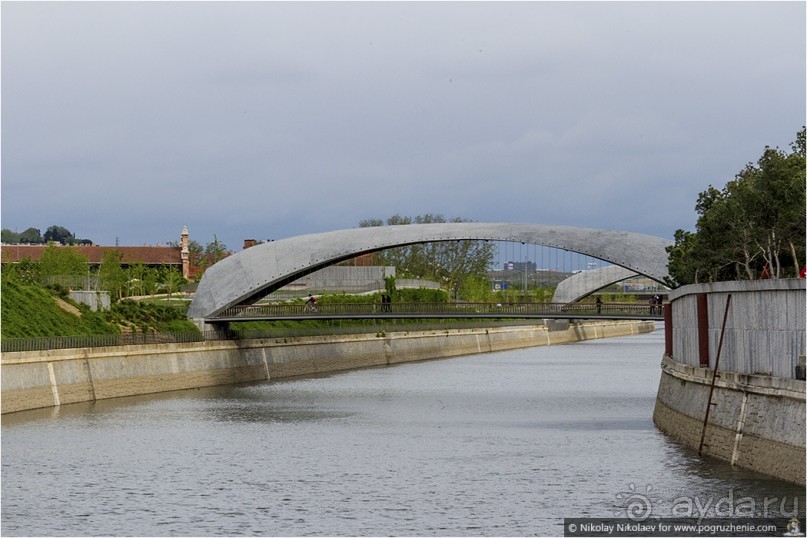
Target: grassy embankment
x=30, y=311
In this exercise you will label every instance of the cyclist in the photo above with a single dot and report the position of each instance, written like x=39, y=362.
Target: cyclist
x=311, y=303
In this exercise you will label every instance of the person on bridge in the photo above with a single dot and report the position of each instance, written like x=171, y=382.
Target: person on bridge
x=311, y=303
x=599, y=304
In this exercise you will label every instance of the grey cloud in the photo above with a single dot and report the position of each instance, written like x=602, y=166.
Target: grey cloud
x=279, y=118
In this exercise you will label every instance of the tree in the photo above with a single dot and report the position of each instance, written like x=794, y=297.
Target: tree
x=8, y=237
x=170, y=280
x=477, y=289
x=59, y=234
x=63, y=261
x=195, y=250
x=213, y=252
x=449, y=262
x=55, y=234
x=31, y=235
x=141, y=280
x=135, y=279
x=755, y=225
x=113, y=277
x=389, y=286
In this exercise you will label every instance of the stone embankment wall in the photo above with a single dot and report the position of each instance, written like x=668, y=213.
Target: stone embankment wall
x=38, y=379
x=757, y=416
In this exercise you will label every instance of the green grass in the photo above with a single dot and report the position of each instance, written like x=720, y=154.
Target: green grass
x=141, y=316
x=32, y=311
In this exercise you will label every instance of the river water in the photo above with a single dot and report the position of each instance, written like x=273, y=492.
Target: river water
x=498, y=444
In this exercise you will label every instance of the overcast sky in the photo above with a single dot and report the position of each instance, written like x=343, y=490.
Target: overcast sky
x=266, y=119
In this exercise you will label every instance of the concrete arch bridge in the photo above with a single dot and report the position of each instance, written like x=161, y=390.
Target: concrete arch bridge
x=249, y=275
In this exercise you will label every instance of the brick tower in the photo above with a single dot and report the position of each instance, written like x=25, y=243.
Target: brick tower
x=185, y=253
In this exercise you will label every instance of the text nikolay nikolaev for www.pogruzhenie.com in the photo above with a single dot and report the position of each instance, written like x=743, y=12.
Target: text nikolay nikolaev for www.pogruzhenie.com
x=621, y=527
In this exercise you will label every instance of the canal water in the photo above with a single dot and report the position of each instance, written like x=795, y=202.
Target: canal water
x=498, y=444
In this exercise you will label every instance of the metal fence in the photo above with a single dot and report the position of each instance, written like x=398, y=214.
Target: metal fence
x=440, y=310
x=436, y=316
x=74, y=282
x=288, y=292
x=109, y=340
x=99, y=340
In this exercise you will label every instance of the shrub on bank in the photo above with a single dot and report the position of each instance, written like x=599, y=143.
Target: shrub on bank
x=150, y=317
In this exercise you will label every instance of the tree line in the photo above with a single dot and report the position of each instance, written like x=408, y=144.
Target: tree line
x=133, y=280
x=754, y=227
x=54, y=234
x=121, y=282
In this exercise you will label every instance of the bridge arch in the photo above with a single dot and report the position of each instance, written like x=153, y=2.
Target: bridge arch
x=585, y=283
x=255, y=272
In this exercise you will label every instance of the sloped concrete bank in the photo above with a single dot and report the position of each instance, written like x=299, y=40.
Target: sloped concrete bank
x=32, y=380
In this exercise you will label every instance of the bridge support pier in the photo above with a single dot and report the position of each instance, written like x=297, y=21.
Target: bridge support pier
x=556, y=324
x=220, y=328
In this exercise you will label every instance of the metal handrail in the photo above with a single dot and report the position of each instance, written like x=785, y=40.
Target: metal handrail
x=323, y=310
x=335, y=310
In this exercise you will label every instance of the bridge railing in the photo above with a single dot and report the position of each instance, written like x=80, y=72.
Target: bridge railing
x=324, y=311
x=438, y=310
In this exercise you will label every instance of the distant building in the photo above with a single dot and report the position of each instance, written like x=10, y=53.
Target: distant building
x=150, y=256
x=527, y=266
x=641, y=283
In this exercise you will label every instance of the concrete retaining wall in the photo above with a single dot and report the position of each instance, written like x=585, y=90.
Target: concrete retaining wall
x=758, y=417
x=765, y=328
x=96, y=300
x=38, y=379
x=757, y=421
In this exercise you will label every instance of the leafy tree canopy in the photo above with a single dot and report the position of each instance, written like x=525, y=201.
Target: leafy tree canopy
x=31, y=235
x=753, y=228
x=57, y=234
x=63, y=261
x=113, y=277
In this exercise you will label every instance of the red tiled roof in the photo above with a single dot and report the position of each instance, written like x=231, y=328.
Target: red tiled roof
x=95, y=254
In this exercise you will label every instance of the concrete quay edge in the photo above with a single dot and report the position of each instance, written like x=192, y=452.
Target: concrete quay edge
x=758, y=384
x=756, y=422
x=39, y=379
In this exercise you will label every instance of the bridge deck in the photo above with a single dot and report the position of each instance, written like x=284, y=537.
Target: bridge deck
x=615, y=311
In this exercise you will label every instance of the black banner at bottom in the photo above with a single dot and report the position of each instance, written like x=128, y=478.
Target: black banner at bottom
x=604, y=527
